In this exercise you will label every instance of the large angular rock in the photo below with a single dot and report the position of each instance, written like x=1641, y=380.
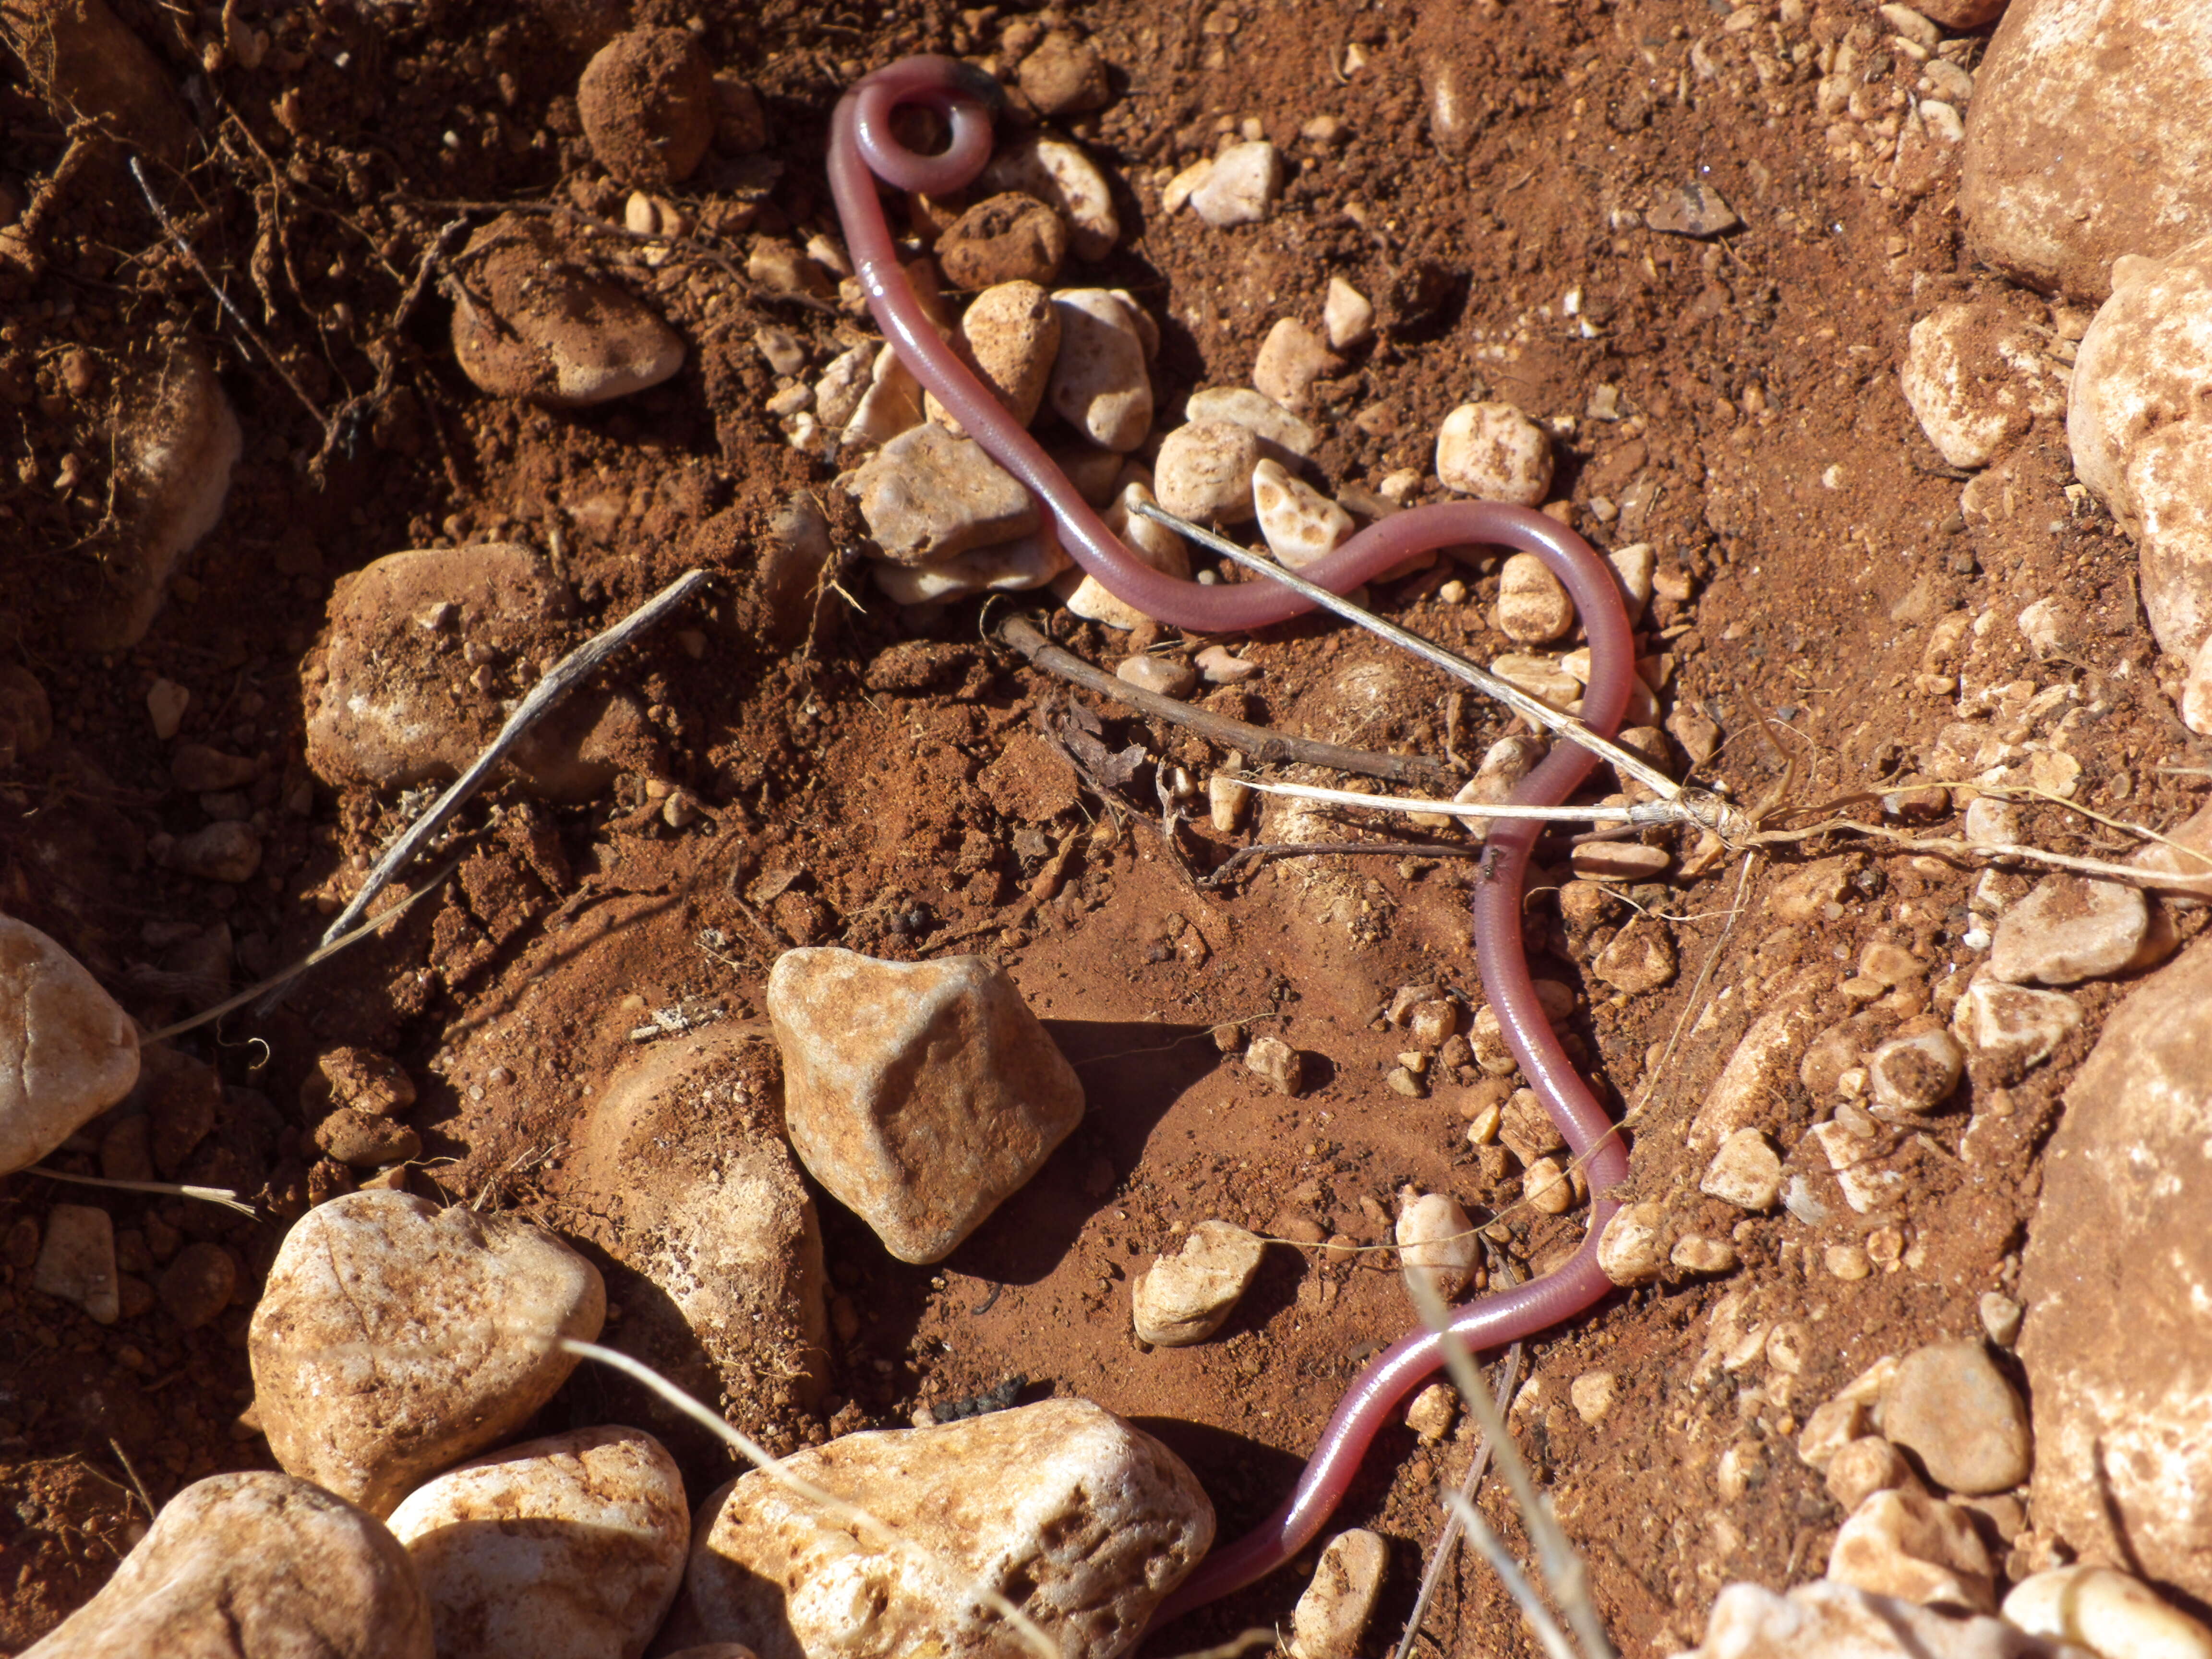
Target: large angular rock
x=67, y=1051
x=2117, y=1272
x=394, y=1339
x=568, y=1548
x=238, y=1566
x=2088, y=140
x=381, y=704
x=928, y=495
x=680, y=1173
x=2141, y=431
x=539, y=324
x=920, y=1094
x=1825, y=1620
x=1082, y=1521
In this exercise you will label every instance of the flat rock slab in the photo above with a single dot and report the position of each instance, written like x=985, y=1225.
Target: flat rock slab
x=2117, y=1266
x=1082, y=1521
x=68, y=1052
x=920, y=1094
x=238, y=1566
x=394, y=1339
x=568, y=1548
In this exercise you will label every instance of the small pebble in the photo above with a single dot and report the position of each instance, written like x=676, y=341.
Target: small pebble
x=1222, y=667
x=1549, y=1187
x=68, y=1052
x=1281, y=434
x=1494, y=452
x=646, y=101
x=1747, y=1172
x=2001, y=1317
x=166, y=702
x=1347, y=315
x=1331, y=1613
x=1437, y=1245
x=1170, y=677
x=227, y=852
x=1533, y=606
x=1631, y=1250
x=1009, y=336
x=597, y=1512
x=782, y=350
x=546, y=327
x=1592, y=1394
x=1864, y=1467
x=376, y=1269
x=1633, y=567
x=1950, y=1405
x=1433, y=1412
x=1067, y=180
x=1692, y=210
x=77, y=1262
x=1240, y=187
x=1694, y=1254
x=1915, y=1547
x=1063, y=75
x=1291, y=360
x=928, y=495
x=1184, y=1298
x=1916, y=1073
x=199, y=1284
x=1539, y=676
x=1099, y=383
x=2069, y=928
x=1300, y=524
x=1640, y=957
x=1276, y=1063
x=1226, y=799
x=2107, y=1612
x=1007, y=238
x=1205, y=472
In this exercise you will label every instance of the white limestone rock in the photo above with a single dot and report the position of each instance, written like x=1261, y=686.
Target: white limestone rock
x=568, y=1548
x=1333, y=1610
x=1205, y=472
x=2139, y=429
x=1495, y=453
x=1240, y=186
x=920, y=1094
x=239, y=1566
x=1300, y=524
x=394, y=1339
x=2069, y=166
x=1183, y=1298
x=2112, y=1615
x=1828, y=1620
x=68, y=1052
x=1081, y=1520
x=1099, y=384
x=1976, y=376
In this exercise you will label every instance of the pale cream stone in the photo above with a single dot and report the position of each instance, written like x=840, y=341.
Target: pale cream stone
x=1291, y=360
x=2108, y=1613
x=1062, y=175
x=1533, y=606
x=1281, y=434
x=1084, y=1522
x=1333, y=1611
x=1347, y=315
x=1745, y=1171
x=1099, y=385
x=1494, y=452
x=1205, y=472
x=68, y=1052
x=1437, y=1245
x=1300, y=524
x=1184, y=1298
x=1240, y=187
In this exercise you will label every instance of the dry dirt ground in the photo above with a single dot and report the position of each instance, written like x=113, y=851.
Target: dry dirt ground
x=1758, y=441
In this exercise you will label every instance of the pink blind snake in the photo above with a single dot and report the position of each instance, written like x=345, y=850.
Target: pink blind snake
x=863, y=150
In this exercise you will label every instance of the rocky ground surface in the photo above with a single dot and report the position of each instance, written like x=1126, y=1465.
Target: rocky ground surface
x=864, y=1027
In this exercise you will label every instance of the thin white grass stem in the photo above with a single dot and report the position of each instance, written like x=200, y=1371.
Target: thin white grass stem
x=1531, y=708
x=1508, y=1378
x=848, y=1513
x=1562, y=1566
x=559, y=680
x=221, y=1196
x=1509, y=1574
x=1656, y=812
x=376, y=924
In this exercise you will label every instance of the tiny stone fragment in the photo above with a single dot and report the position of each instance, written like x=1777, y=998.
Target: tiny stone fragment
x=1630, y=1250
x=1915, y=1073
x=1494, y=452
x=1277, y=1064
x=1692, y=210
x=1241, y=186
x=1592, y=1394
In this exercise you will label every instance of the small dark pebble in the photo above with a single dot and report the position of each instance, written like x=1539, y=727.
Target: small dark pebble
x=991, y=1399
x=199, y=1284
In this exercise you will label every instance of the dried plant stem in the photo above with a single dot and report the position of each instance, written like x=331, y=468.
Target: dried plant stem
x=221, y=1196
x=559, y=681
x=1257, y=743
x=1562, y=1566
